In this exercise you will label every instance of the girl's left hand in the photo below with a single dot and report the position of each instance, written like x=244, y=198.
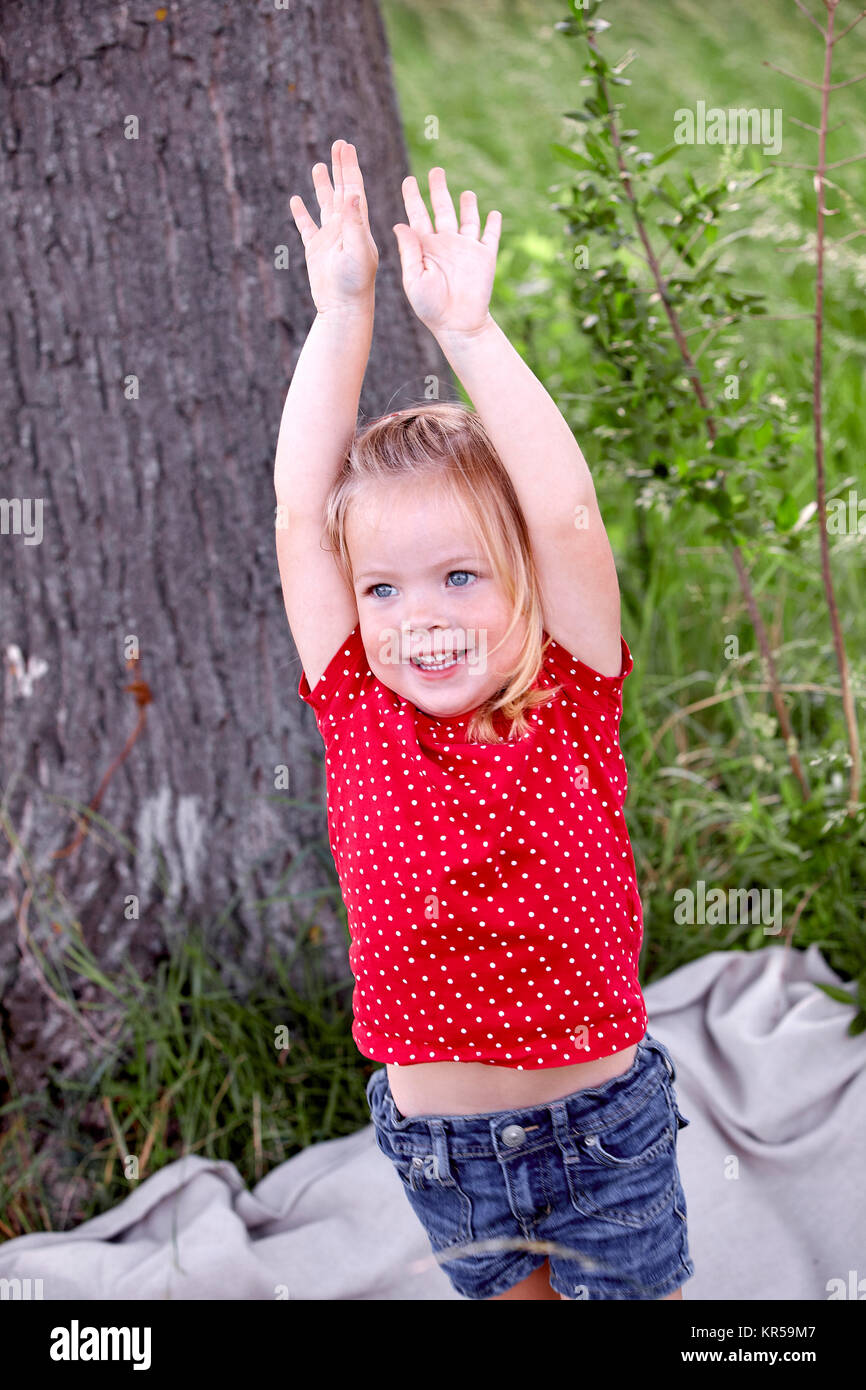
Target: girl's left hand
x=447, y=273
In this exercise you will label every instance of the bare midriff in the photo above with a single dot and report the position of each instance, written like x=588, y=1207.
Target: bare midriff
x=466, y=1088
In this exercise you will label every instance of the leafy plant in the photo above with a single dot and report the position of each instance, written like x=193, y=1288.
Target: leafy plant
x=676, y=392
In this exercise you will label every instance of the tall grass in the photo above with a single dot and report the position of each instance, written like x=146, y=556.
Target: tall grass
x=179, y=1063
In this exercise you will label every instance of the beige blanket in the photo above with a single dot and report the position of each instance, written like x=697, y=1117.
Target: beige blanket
x=771, y=1164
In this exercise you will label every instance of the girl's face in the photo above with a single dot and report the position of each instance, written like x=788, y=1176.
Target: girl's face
x=424, y=590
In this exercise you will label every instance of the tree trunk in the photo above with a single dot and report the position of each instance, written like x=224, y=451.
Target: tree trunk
x=151, y=327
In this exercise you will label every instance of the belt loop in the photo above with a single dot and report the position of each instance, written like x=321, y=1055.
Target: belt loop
x=669, y=1063
x=562, y=1130
x=659, y=1047
x=439, y=1144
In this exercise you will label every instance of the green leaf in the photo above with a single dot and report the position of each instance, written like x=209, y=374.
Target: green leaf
x=596, y=149
x=580, y=161
x=598, y=62
x=764, y=434
x=786, y=513
x=664, y=155
x=721, y=502
x=835, y=993
x=726, y=446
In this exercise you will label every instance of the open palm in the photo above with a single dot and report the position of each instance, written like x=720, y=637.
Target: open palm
x=341, y=254
x=447, y=273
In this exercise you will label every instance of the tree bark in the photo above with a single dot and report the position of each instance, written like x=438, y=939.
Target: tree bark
x=151, y=324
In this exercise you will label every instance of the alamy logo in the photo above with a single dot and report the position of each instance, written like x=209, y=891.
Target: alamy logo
x=75, y=1343
x=22, y=1289
x=397, y=646
x=737, y=126
x=22, y=516
x=735, y=905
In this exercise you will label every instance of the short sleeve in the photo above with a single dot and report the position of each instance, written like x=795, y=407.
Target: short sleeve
x=581, y=683
x=344, y=680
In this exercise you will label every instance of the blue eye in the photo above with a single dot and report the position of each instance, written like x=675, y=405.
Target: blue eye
x=373, y=587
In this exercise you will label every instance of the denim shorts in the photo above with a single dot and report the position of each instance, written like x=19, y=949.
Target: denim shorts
x=589, y=1182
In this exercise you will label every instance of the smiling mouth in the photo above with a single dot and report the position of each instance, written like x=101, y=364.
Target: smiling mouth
x=439, y=663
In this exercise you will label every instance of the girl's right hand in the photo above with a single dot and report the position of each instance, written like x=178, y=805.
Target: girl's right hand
x=342, y=258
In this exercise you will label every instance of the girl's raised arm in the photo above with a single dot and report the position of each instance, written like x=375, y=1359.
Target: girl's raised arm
x=448, y=276
x=321, y=409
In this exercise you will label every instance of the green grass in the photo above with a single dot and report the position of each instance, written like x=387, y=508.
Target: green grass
x=502, y=105
x=192, y=1067
x=189, y=1066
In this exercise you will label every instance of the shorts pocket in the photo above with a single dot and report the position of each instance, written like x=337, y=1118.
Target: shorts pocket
x=635, y=1140
x=440, y=1203
x=625, y=1172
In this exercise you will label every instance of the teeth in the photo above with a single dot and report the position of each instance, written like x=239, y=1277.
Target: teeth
x=436, y=662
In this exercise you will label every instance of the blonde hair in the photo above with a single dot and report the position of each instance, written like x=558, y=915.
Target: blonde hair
x=446, y=444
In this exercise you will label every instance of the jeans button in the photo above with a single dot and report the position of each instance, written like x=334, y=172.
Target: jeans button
x=512, y=1135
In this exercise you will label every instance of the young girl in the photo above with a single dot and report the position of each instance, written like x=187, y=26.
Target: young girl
x=459, y=634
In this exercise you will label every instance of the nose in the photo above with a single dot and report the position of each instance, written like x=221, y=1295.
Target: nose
x=421, y=629
x=423, y=615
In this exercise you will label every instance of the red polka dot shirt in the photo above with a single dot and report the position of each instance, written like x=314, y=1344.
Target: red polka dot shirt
x=490, y=888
